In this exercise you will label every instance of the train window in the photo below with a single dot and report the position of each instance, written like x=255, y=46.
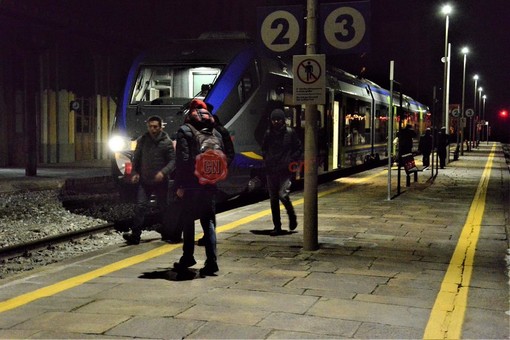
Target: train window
x=172, y=84
x=355, y=121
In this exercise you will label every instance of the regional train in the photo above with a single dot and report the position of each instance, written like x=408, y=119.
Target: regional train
x=243, y=86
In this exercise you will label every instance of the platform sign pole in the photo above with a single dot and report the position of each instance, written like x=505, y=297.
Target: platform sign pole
x=390, y=128
x=310, y=228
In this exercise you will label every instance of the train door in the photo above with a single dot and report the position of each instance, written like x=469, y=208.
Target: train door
x=85, y=127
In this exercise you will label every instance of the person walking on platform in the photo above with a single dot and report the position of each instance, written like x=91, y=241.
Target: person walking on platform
x=197, y=198
x=280, y=147
x=442, y=144
x=153, y=160
x=425, y=147
x=229, y=152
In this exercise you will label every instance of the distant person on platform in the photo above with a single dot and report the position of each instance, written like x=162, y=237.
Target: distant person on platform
x=280, y=147
x=425, y=147
x=153, y=160
x=442, y=144
x=405, y=140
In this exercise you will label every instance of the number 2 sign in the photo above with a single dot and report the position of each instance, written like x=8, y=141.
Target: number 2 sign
x=280, y=29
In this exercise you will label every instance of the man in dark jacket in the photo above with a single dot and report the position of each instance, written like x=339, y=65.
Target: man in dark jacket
x=442, y=144
x=198, y=199
x=153, y=160
x=280, y=147
x=425, y=146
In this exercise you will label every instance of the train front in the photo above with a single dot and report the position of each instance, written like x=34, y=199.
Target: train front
x=164, y=82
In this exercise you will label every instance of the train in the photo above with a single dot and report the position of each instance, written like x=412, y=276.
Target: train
x=243, y=85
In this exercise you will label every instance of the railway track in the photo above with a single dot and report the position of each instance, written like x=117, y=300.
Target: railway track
x=25, y=248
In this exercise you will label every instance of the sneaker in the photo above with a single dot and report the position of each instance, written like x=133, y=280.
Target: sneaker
x=209, y=269
x=293, y=223
x=171, y=241
x=131, y=238
x=184, y=264
x=277, y=232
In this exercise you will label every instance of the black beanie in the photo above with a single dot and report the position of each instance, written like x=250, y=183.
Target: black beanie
x=277, y=114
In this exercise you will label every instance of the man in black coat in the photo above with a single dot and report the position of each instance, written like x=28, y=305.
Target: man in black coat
x=280, y=147
x=153, y=160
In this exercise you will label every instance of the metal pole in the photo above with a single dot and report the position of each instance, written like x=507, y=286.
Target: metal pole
x=472, y=134
x=480, y=109
x=310, y=229
x=445, y=99
x=390, y=129
x=462, y=107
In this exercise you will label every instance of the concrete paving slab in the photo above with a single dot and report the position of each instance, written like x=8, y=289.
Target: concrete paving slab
x=156, y=328
x=225, y=314
x=73, y=322
x=310, y=324
x=161, y=307
x=362, y=311
x=215, y=330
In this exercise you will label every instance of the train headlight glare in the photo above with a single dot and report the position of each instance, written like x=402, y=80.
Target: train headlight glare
x=118, y=143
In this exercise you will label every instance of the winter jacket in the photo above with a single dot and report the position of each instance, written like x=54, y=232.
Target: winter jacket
x=186, y=151
x=280, y=147
x=153, y=155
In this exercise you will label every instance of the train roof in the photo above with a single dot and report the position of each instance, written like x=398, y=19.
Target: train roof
x=208, y=50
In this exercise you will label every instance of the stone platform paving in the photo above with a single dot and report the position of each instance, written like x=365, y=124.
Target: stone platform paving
x=377, y=273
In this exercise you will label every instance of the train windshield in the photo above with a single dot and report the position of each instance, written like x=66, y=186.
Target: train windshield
x=173, y=85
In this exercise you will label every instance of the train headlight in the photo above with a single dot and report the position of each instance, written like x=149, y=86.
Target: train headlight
x=119, y=143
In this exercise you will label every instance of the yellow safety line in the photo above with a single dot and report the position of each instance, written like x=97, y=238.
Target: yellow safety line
x=130, y=261
x=447, y=315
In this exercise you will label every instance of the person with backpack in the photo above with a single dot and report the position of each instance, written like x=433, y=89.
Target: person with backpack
x=198, y=143
x=280, y=147
x=229, y=152
x=153, y=161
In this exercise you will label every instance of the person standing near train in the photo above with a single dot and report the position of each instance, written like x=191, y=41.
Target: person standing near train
x=425, y=147
x=153, y=161
x=442, y=144
x=280, y=147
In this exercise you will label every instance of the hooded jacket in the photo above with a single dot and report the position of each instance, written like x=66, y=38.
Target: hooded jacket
x=153, y=155
x=280, y=147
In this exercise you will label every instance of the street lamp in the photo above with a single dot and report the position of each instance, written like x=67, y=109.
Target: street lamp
x=480, y=89
x=464, y=51
x=474, y=136
x=446, y=10
x=484, y=97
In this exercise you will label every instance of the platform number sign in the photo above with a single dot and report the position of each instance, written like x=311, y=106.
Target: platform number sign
x=280, y=29
x=345, y=27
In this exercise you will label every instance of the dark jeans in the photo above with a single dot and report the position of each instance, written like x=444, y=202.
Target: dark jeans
x=143, y=195
x=278, y=185
x=426, y=159
x=199, y=204
x=441, y=152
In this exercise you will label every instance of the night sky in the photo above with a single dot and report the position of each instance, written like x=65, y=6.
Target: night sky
x=410, y=32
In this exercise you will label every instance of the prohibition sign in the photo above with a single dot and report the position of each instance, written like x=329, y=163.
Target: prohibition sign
x=309, y=71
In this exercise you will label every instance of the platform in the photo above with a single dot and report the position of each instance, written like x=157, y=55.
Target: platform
x=52, y=176
x=429, y=263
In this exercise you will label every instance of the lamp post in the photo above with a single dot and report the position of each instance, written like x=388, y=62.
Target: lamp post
x=480, y=108
x=474, y=136
x=484, y=97
x=464, y=51
x=446, y=10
